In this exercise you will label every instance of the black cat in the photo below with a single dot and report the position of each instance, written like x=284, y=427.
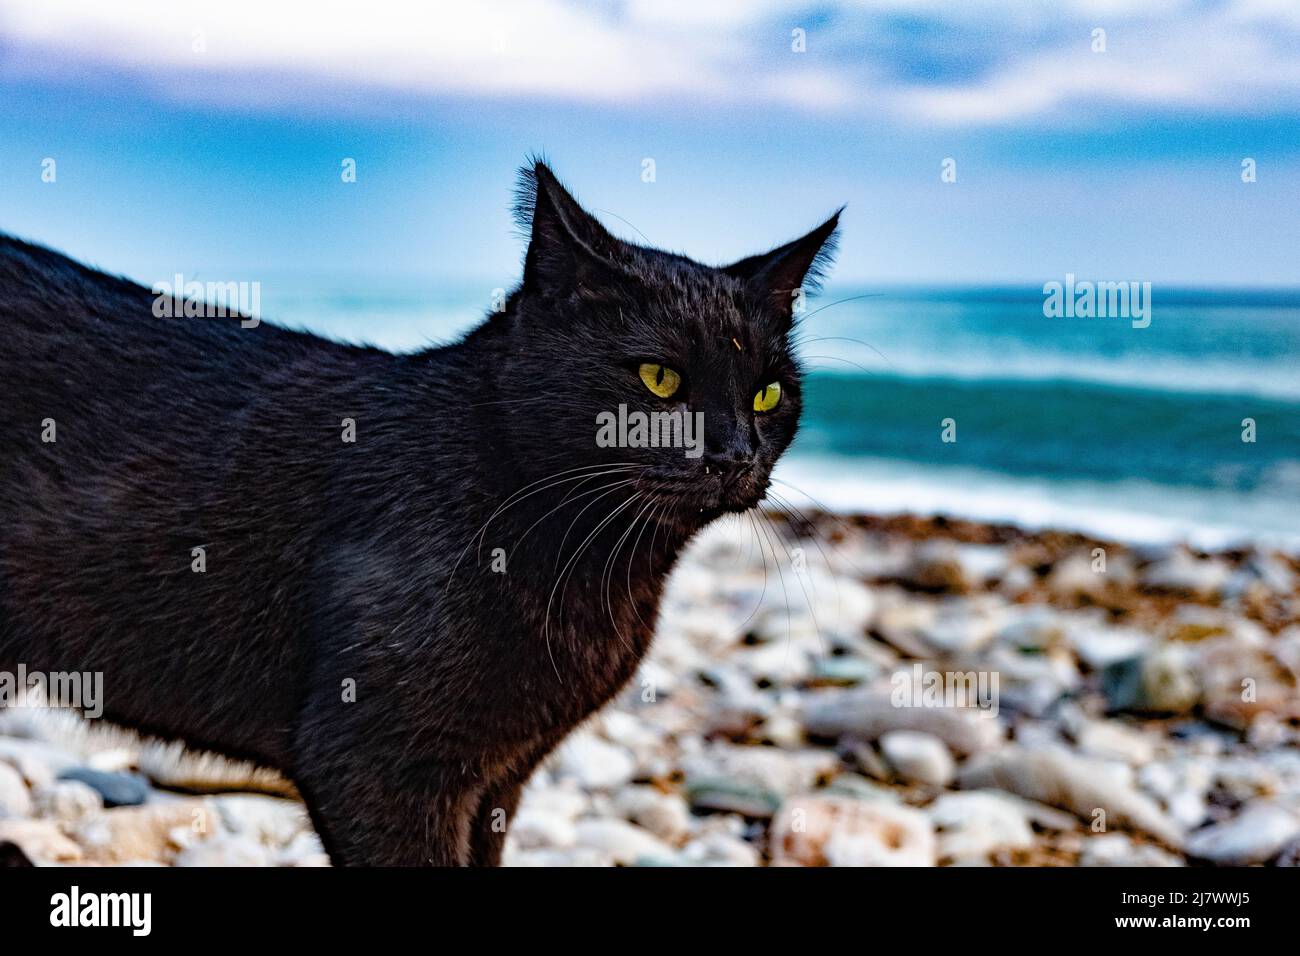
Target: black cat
x=407, y=622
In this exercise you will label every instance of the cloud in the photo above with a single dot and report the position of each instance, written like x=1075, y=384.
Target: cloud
x=978, y=62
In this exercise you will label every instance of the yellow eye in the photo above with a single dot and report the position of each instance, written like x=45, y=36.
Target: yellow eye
x=768, y=398
x=660, y=379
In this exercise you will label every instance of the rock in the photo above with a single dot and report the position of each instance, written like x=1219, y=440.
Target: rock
x=1073, y=577
x=1099, y=647
x=1191, y=623
x=1181, y=573
x=1182, y=784
x=67, y=801
x=936, y=567
x=723, y=796
x=625, y=843
x=271, y=821
x=1112, y=740
x=40, y=840
x=577, y=856
x=303, y=850
x=115, y=789
x=1033, y=627
x=225, y=850
x=663, y=814
x=963, y=626
x=758, y=770
x=1241, y=682
x=825, y=830
x=1062, y=779
x=868, y=713
x=563, y=799
x=595, y=763
x=1290, y=855
x=152, y=832
x=859, y=787
x=844, y=670
x=982, y=564
x=918, y=757
x=38, y=762
x=534, y=829
x=15, y=801
x=1161, y=682
x=1119, y=849
x=719, y=849
x=1256, y=835
x=973, y=825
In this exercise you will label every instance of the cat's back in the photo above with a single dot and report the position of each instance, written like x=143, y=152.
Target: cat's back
x=73, y=338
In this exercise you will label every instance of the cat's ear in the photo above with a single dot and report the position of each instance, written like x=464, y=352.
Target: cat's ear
x=800, y=264
x=568, y=249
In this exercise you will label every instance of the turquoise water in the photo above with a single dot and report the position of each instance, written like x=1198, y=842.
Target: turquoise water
x=1087, y=423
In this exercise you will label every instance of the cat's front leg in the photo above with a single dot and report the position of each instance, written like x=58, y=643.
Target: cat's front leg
x=373, y=801
x=496, y=808
x=368, y=817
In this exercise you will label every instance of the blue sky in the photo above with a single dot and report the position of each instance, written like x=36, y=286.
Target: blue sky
x=207, y=138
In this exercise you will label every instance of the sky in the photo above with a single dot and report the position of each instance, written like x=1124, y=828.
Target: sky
x=209, y=138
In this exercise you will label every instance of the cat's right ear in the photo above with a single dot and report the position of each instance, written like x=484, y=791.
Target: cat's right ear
x=568, y=250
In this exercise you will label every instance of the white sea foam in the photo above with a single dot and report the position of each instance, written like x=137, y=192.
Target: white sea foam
x=1132, y=511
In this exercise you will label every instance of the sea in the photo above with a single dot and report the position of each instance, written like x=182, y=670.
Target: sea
x=976, y=403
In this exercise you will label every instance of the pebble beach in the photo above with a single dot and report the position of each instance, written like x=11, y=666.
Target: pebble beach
x=830, y=691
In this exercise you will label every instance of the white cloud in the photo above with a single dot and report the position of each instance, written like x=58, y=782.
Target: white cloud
x=1243, y=56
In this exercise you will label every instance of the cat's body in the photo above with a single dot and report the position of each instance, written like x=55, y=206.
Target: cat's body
x=349, y=626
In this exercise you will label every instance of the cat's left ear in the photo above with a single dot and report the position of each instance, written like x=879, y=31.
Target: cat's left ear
x=801, y=264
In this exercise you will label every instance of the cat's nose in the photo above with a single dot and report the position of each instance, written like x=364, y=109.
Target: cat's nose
x=728, y=463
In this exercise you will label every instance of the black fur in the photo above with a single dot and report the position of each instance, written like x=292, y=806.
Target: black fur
x=329, y=562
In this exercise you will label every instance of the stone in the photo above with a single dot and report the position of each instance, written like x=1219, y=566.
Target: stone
x=973, y=825
x=1073, y=577
x=38, y=762
x=918, y=757
x=535, y=829
x=1256, y=835
x=153, y=832
x=115, y=789
x=625, y=843
x=869, y=712
x=714, y=795
x=67, y=801
x=41, y=841
x=1181, y=573
x=1063, y=779
x=1119, y=849
x=666, y=815
x=271, y=821
x=1160, y=682
x=1112, y=740
x=303, y=850
x=826, y=830
x=936, y=567
x=15, y=801
x=720, y=849
x=225, y=850
x=596, y=764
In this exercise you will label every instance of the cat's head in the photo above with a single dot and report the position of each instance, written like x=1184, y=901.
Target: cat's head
x=680, y=377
